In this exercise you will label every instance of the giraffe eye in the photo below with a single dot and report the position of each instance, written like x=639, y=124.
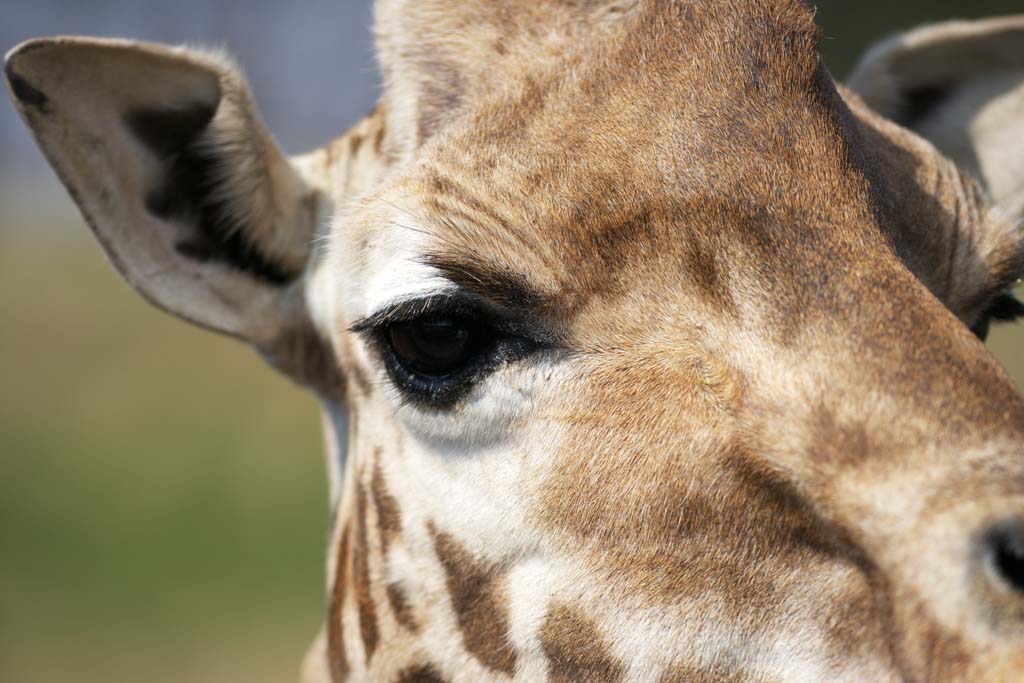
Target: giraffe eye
x=435, y=359
x=436, y=350
x=435, y=347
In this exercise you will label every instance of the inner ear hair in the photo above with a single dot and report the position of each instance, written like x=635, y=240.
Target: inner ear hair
x=223, y=175
x=195, y=190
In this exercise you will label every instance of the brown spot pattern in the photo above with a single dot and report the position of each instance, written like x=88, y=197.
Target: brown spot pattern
x=575, y=650
x=401, y=608
x=715, y=674
x=361, y=584
x=378, y=139
x=389, y=524
x=844, y=445
x=389, y=515
x=354, y=143
x=944, y=656
x=338, y=660
x=438, y=97
x=361, y=379
x=421, y=674
x=479, y=607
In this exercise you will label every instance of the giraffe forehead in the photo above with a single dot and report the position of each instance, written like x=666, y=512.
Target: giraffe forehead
x=629, y=207
x=647, y=260
x=570, y=167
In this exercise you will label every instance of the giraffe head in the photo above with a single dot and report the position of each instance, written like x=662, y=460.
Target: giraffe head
x=649, y=352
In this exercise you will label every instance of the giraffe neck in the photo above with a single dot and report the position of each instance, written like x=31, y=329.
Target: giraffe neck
x=408, y=602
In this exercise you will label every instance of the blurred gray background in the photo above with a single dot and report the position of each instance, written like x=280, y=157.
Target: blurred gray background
x=162, y=497
x=310, y=62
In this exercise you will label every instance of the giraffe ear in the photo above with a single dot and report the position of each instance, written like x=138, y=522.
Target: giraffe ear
x=169, y=163
x=960, y=85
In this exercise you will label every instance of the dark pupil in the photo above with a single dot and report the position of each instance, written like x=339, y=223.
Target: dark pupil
x=435, y=346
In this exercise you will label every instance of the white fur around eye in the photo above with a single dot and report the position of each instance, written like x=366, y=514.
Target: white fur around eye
x=390, y=268
x=396, y=275
x=486, y=417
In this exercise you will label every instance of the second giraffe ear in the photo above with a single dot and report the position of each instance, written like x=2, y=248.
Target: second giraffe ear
x=960, y=85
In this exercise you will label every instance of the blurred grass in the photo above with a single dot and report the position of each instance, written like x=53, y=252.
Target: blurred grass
x=162, y=512
x=1007, y=343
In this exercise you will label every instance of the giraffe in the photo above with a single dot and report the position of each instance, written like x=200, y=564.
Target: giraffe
x=647, y=351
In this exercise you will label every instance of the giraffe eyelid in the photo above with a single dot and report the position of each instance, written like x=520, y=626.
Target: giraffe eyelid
x=453, y=303
x=504, y=341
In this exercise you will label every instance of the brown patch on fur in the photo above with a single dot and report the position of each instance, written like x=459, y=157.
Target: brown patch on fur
x=401, y=608
x=781, y=513
x=389, y=515
x=331, y=151
x=439, y=97
x=338, y=659
x=930, y=653
x=575, y=649
x=421, y=674
x=613, y=243
x=515, y=116
x=443, y=188
x=361, y=584
x=378, y=139
x=715, y=674
x=838, y=444
x=355, y=142
x=857, y=623
x=389, y=524
x=360, y=381
x=946, y=656
x=479, y=607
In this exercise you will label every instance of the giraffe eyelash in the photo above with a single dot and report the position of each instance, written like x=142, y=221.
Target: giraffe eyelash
x=410, y=309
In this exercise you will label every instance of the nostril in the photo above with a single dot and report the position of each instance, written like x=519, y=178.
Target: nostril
x=1006, y=548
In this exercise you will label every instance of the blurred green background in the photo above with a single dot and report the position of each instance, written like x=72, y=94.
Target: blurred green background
x=162, y=495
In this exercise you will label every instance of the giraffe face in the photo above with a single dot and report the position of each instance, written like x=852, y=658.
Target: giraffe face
x=649, y=347
x=661, y=374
